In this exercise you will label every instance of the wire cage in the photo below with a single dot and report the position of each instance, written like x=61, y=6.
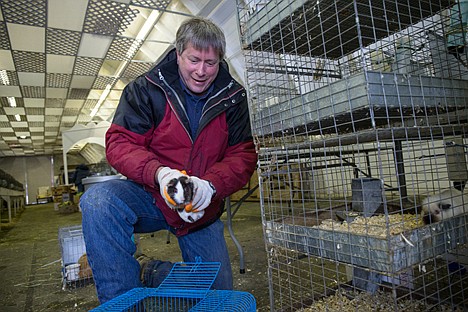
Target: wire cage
x=359, y=110
x=186, y=288
x=76, y=271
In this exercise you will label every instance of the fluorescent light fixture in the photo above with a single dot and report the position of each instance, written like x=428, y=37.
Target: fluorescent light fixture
x=4, y=78
x=148, y=25
x=12, y=101
x=101, y=100
x=121, y=68
x=18, y=117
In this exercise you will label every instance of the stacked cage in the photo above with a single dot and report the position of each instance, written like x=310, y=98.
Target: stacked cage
x=359, y=111
x=76, y=271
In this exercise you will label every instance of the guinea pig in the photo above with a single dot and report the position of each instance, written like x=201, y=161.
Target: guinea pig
x=181, y=192
x=445, y=204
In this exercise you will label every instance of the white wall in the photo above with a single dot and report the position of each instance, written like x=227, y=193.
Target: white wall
x=36, y=171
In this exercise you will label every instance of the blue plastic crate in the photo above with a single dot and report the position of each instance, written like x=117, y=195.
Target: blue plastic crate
x=185, y=289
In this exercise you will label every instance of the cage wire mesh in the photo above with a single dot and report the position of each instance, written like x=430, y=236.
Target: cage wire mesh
x=186, y=288
x=359, y=112
x=76, y=271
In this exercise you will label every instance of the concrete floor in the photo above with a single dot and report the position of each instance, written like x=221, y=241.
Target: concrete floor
x=30, y=268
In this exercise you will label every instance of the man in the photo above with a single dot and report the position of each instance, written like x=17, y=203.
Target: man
x=186, y=114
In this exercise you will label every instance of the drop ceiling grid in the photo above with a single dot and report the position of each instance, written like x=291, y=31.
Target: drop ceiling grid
x=56, y=71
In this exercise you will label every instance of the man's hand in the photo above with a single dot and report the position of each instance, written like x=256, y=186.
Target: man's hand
x=190, y=217
x=164, y=175
x=203, y=193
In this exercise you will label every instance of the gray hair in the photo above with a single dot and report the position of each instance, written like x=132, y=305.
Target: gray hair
x=202, y=34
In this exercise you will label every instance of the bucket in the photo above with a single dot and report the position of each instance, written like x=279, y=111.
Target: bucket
x=89, y=181
x=72, y=272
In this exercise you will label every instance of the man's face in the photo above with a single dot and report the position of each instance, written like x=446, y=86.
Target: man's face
x=198, y=68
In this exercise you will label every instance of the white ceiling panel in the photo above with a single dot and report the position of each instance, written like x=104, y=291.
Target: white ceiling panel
x=68, y=118
x=9, y=138
x=83, y=82
x=66, y=14
x=6, y=60
x=29, y=102
x=14, y=110
x=26, y=38
x=19, y=124
x=74, y=103
x=94, y=45
x=53, y=111
x=35, y=118
x=10, y=91
x=36, y=129
x=57, y=93
x=60, y=63
x=31, y=79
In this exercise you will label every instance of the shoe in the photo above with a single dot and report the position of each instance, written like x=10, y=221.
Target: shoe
x=143, y=261
x=153, y=272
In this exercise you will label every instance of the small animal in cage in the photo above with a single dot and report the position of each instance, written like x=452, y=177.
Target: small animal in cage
x=179, y=193
x=85, y=269
x=446, y=204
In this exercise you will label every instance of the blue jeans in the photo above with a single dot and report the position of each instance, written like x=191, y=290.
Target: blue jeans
x=112, y=212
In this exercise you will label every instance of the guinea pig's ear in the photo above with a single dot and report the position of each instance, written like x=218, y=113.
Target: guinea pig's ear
x=444, y=206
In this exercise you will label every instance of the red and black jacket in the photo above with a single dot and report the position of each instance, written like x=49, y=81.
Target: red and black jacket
x=151, y=129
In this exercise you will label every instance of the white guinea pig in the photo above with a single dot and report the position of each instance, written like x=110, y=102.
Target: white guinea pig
x=444, y=205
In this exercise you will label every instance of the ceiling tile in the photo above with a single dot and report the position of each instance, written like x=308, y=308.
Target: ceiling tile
x=61, y=41
x=57, y=102
x=6, y=60
x=60, y=63
x=8, y=78
x=28, y=102
x=83, y=82
x=32, y=118
x=27, y=12
x=87, y=66
x=19, y=124
x=74, y=103
x=31, y=111
x=26, y=38
x=58, y=80
x=76, y=93
x=33, y=92
x=37, y=130
x=52, y=124
x=9, y=138
x=14, y=110
x=4, y=40
x=53, y=111
x=31, y=79
x=94, y=45
x=10, y=91
x=108, y=18
x=26, y=61
x=71, y=119
x=56, y=93
x=66, y=14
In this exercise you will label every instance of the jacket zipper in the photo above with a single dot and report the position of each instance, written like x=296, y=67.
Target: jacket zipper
x=161, y=77
x=216, y=104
